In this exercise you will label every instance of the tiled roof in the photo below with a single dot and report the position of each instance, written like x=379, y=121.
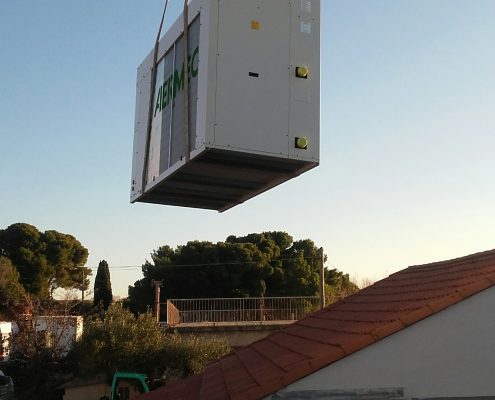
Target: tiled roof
x=340, y=329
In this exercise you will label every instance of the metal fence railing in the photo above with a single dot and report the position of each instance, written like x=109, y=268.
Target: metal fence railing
x=251, y=309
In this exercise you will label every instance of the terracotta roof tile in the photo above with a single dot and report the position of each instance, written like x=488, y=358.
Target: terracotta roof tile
x=388, y=329
x=187, y=389
x=446, y=301
x=297, y=372
x=363, y=316
x=340, y=325
x=213, y=387
x=261, y=391
x=258, y=366
x=278, y=354
x=474, y=287
x=237, y=378
x=326, y=336
x=491, y=277
x=357, y=343
x=311, y=348
x=330, y=356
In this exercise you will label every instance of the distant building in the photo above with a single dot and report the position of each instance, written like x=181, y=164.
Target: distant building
x=55, y=332
x=95, y=388
x=7, y=329
x=85, y=389
x=59, y=331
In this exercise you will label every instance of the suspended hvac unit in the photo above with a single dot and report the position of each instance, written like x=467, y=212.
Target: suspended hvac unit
x=253, y=104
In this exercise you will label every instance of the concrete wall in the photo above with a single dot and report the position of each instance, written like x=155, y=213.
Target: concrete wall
x=236, y=334
x=87, y=392
x=450, y=354
x=95, y=391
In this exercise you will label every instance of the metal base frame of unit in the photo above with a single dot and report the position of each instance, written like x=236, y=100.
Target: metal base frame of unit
x=220, y=179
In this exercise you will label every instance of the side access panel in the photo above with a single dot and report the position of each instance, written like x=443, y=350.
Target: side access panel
x=252, y=109
x=304, y=115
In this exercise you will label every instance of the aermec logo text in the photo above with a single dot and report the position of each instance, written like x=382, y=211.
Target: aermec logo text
x=174, y=83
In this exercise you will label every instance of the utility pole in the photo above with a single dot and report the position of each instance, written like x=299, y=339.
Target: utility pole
x=322, y=280
x=82, y=288
x=157, y=285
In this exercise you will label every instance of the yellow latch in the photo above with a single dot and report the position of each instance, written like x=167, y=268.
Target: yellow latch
x=255, y=25
x=302, y=72
x=302, y=143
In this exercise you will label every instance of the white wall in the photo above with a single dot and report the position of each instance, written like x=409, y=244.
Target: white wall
x=5, y=340
x=65, y=330
x=449, y=354
x=87, y=392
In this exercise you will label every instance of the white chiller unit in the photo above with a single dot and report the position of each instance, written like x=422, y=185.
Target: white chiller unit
x=254, y=104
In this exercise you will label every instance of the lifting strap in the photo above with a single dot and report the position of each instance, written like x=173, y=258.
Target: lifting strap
x=152, y=92
x=186, y=80
x=150, y=109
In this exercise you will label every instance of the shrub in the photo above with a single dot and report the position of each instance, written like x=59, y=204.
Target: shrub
x=123, y=342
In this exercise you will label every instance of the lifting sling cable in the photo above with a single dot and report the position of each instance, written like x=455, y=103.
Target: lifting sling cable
x=186, y=80
x=152, y=96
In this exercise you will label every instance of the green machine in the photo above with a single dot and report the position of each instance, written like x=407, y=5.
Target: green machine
x=139, y=381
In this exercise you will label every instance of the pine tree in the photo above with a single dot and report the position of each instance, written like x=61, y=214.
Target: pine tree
x=103, y=286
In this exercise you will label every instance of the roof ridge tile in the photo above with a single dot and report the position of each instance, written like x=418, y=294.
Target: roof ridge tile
x=402, y=277
x=382, y=310
x=355, y=320
x=294, y=358
x=259, y=377
x=477, y=286
x=228, y=365
x=479, y=255
x=261, y=391
x=239, y=396
x=422, y=290
x=345, y=331
x=388, y=329
x=491, y=278
x=301, y=338
x=326, y=359
x=407, y=300
x=357, y=343
x=445, y=301
x=297, y=372
x=262, y=355
x=416, y=315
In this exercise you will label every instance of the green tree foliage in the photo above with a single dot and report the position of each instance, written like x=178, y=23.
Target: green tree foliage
x=45, y=260
x=103, y=287
x=338, y=285
x=22, y=244
x=11, y=290
x=124, y=342
x=259, y=264
x=189, y=355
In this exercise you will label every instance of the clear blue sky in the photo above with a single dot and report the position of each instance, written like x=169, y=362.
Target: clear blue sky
x=407, y=171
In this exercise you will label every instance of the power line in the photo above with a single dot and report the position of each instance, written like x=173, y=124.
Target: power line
x=217, y=264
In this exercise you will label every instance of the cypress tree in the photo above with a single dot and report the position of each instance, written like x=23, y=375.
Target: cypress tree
x=103, y=286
